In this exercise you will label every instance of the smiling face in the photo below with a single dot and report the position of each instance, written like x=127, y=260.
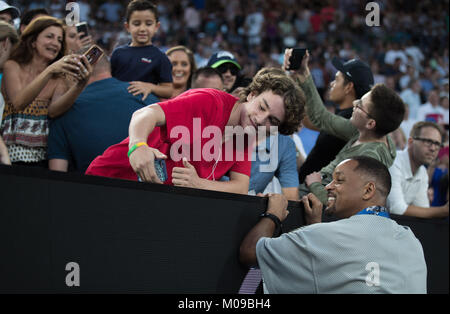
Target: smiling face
x=266, y=109
x=48, y=43
x=181, y=68
x=229, y=74
x=346, y=191
x=142, y=26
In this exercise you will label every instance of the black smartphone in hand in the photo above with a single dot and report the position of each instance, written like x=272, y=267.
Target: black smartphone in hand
x=296, y=58
x=82, y=27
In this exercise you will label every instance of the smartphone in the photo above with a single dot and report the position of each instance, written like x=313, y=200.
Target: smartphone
x=82, y=27
x=296, y=58
x=93, y=54
x=160, y=169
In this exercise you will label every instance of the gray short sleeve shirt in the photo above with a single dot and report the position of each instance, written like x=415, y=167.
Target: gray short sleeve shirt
x=361, y=254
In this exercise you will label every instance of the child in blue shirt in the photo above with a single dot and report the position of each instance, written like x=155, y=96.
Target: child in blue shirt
x=143, y=65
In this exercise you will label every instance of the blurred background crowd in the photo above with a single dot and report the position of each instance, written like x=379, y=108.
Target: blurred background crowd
x=412, y=37
x=408, y=51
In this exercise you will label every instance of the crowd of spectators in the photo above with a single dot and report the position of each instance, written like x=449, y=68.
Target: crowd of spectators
x=410, y=42
x=408, y=51
x=391, y=80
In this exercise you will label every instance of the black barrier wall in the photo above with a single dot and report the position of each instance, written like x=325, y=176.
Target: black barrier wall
x=127, y=237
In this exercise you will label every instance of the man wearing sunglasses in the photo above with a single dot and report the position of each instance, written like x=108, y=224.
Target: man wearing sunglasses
x=409, y=176
x=226, y=64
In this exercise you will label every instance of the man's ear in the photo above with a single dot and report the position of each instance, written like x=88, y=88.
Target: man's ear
x=410, y=141
x=371, y=124
x=350, y=88
x=250, y=96
x=369, y=191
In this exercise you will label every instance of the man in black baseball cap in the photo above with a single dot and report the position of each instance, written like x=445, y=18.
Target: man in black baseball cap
x=357, y=72
x=353, y=79
x=227, y=65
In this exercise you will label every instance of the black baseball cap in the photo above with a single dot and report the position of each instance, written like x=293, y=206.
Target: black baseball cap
x=222, y=57
x=358, y=72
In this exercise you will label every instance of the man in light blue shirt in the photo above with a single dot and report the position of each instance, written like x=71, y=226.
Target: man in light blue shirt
x=275, y=157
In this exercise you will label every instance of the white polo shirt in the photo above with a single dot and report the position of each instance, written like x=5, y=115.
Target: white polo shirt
x=407, y=188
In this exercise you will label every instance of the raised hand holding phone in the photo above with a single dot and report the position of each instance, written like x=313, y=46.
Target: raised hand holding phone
x=296, y=58
x=302, y=73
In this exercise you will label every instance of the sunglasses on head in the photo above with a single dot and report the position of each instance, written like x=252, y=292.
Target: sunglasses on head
x=228, y=66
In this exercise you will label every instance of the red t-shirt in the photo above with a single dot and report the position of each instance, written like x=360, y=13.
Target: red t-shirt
x=191, y=119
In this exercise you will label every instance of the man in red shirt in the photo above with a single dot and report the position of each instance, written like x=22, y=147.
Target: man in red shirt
x=191, y=132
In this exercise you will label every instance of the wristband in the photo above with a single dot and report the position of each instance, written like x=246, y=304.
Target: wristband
x=135, y=146
x=276, y=220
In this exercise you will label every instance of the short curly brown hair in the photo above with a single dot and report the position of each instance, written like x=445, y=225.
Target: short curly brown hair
x=275, y=80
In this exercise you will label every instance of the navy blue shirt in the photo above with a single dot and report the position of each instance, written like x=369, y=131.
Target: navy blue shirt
x=143, y=64
x=98, y=119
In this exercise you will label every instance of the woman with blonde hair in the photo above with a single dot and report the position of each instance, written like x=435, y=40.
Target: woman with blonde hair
x=38, y=82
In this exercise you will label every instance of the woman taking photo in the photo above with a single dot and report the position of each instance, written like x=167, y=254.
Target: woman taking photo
x=38, y=82
x=183, y=66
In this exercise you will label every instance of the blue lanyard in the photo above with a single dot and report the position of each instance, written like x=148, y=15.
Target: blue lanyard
x=375, y=210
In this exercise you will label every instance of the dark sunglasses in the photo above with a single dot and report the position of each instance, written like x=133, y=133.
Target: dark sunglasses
x=228, y=66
